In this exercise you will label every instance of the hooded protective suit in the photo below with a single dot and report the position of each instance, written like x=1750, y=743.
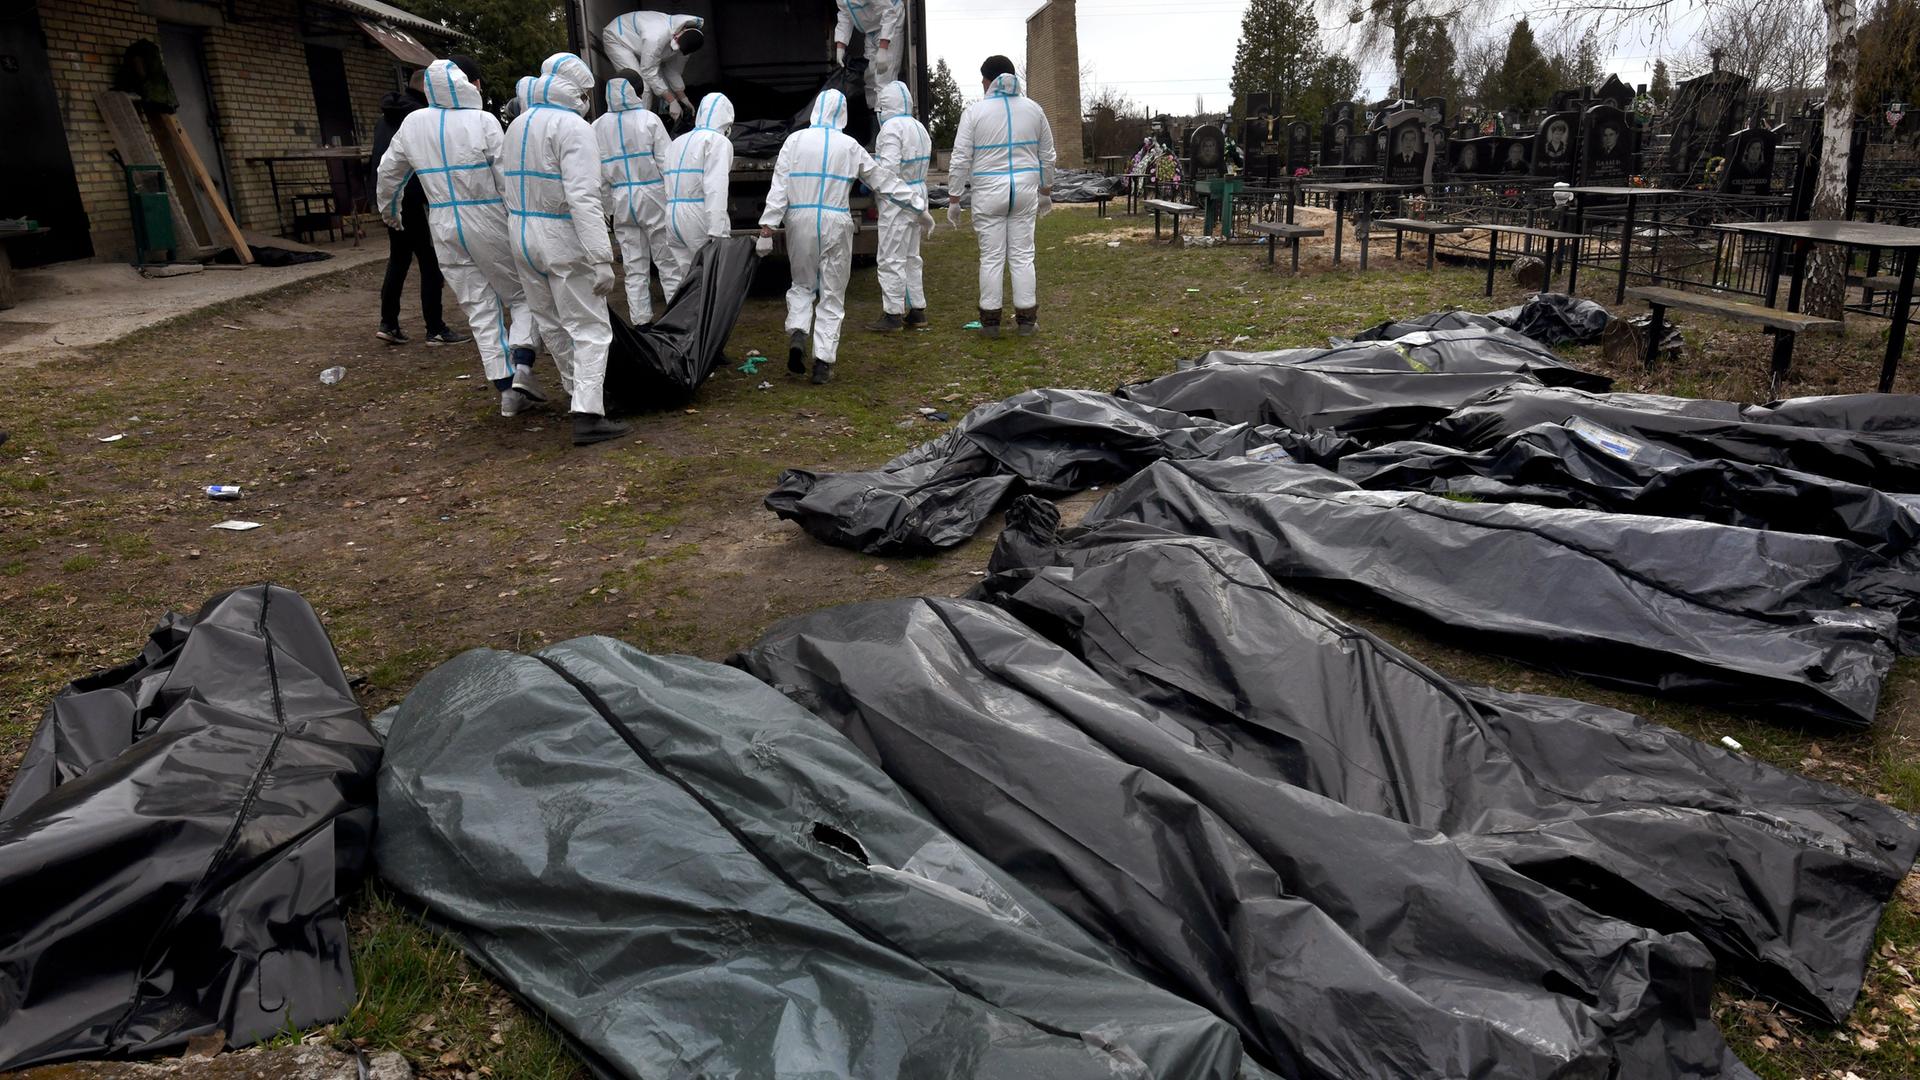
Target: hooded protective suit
x=697, y=190
x=1003, y=152
x=557, y=203
x=879, y=20
x=812, y=180
x=904, y=148
x=633, y=149
x=453, y=147
x=642, y=42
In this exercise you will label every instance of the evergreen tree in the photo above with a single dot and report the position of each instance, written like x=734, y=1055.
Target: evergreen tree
x=1526, y=76
x=1432, y=62
x=1279, y=50
x=1662, y=88
x=943, y=112
x=507, y=38
x=1334, y=79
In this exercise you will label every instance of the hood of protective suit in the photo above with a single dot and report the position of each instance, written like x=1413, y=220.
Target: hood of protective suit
x=895, y=100
x=1007, y=85
x=829, y=110
x=716, y=112
x=448, y=88
x=523, y=91
x=622, y=95
x=566, y=81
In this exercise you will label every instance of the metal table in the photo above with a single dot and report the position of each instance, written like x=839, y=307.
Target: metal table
x=322, y=154
x=1632, y=195
x=1136, y=191
x=1366, y=189
x=1849, y=235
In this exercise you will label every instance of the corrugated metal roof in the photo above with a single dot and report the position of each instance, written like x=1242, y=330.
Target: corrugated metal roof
x=394, y=15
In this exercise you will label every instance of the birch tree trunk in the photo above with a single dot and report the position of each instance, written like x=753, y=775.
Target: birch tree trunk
x=1826, y=290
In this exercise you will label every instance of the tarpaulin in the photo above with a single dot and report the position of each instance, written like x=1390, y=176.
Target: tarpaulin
x=1742, y=617
x=174, y=846
x=1455, y=319
x=1784, y=877
x=1555, y=319
x=758, y=138
x=691, y=876
x=1083, y=186
x=1048, y=441
x=665, y=361
x=1368, y=390
x=1895, y=417
x=1343, y=944
x=1698, y=428
x=1585, y=465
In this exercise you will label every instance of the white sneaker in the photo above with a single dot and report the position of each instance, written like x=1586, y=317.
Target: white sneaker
x=512, y=400
x=523, y=381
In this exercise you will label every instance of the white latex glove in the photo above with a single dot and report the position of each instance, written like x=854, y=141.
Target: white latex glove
x=763, y=246
x=674, y=110
x=1046, y=205
x=953, y=213
x=393, y=222
x=603, y=280
x=839, y=54
x=927, y=224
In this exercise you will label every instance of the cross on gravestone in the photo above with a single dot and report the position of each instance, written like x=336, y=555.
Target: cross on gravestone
x=1615, y=93
x=1255, y=132
x=1606, y=146
x=1516, y=155
x=1749, y=167
x=1554, y=149
x=1299, y=146
x=1406, y=147
x=1475, y=156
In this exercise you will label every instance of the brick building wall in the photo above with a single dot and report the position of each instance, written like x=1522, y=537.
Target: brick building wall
x=1053, y=76
x=261, y=96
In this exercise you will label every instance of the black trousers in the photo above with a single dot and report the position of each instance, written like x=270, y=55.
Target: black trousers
x=414, y=243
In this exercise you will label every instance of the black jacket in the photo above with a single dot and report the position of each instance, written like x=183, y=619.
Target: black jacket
x=393, y=109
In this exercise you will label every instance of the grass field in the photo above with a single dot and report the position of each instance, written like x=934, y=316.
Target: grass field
x=421, y=525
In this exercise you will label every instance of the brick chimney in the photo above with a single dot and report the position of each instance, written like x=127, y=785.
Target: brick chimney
x=1053, y=75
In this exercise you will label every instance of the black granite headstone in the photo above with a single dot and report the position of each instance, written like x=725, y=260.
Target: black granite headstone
x=1749, y=167
x=1475, y=157
x=1333, y=142
x=1406, y=147
x=1299, y=146
x=1207, y=153
x=1434, y=110
x=1363, y=149
x=1260, y=104
x=1555, y=148
x=1606, y=146
x=1567, y=100
x=1516, y=155
x=1615, y=93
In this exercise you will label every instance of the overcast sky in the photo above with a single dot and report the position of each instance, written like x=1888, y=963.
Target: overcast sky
x=1164, y=60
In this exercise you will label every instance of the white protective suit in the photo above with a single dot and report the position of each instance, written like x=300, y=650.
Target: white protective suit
x=904, y=148
x=812, y=180
x=699, y=164
x=1003, y=152
x=557, y=202
x=879, y=20
x=633, y=149
x=642, y=42
x=454, y=147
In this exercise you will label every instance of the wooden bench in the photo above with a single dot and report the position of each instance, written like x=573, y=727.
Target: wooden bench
x=1432, y=230
x=1275, y=231
x=1553, y=238
x=1783, y=325
x=1177, y=209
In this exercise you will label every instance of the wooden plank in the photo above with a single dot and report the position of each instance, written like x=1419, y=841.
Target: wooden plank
x=1172, y=207
x=136, y=147
x=1285, y=230
x=1430, y=228
x=1736, y=310
x=183, y=145
x=193, y=205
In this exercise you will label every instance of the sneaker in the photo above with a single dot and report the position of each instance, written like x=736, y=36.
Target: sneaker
x=392, y=335
x=822, y=372
x=589, y=429
x=797, y=353
x=528, y=389
x=917, y=319
x=887, y=324
x=448, y=337
x=512, y=402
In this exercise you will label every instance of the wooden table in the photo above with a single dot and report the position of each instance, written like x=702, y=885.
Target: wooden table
x=1366, y=189
x=1632, y=195
x=1850, y=235
x=322, y=154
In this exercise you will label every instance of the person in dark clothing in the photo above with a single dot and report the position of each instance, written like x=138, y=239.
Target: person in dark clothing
x=414, y=242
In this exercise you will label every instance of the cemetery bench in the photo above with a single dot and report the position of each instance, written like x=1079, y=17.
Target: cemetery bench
x=1275, y=231
x=1783, y=325
x=1553, y=237
x=1178, y=210
x=1432, y=230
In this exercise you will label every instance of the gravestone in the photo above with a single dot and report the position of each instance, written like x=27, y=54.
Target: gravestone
x=1516, y=155
x=1206, y=153
x=1615, y=93
x=1555, y=148
x=1256, y=132
x=1475, y=156
x=1406, y=147
x=1439, y=152
x=1567, y=100
x=1704, y=110
x=1260, y=104
x=1511, y=121
x=1363, y=149
x=1299, y=146
x=1606, y=146
x=1749, y=167
x=1334, y=132
x=1465, y=130
x=1434, y=111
